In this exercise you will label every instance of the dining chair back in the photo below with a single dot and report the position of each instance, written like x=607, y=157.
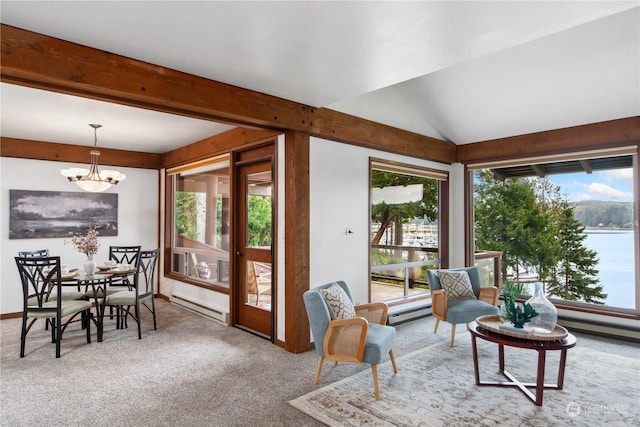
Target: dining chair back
x=140, y=294
x=122, y=255
x=37, y=253
x=125, y=254
x=69, y=295
x=34, y=253
x=42, y=299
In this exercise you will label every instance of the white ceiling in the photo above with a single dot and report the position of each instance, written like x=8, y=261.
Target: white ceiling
x=459, y=71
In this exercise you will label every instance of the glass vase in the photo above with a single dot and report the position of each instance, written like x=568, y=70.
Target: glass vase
x=545, y=321
x=502, y=313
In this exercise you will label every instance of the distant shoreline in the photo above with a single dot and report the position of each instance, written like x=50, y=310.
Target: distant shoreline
x=608, y=229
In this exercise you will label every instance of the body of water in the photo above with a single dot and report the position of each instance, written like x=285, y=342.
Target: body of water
x=615, y=266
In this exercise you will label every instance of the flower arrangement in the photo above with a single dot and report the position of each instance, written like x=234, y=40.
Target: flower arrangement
x=88, y=244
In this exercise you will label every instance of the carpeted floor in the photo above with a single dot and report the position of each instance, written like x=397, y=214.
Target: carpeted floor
x=435, y=387
x=190, y=372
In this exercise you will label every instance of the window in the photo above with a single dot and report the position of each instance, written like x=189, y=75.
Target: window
x=405, y=228
x=570, y=224
x=200, y=222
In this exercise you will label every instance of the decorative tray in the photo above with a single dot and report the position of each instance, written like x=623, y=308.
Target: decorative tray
x=492, y=323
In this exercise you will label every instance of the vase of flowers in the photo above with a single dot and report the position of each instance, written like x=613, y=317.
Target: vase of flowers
x=88, y=245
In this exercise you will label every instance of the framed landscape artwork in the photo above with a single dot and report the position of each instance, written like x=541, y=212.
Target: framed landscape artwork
x=43, y=214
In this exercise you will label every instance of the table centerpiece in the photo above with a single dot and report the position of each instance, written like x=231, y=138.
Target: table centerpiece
x=89, y=246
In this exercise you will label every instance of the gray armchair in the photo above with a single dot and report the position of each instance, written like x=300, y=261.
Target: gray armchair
x=361, y=339
x=461, y=310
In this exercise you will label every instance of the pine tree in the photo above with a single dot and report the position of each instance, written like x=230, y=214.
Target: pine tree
x=575, y=277
x=534, y=226
x=509, y=219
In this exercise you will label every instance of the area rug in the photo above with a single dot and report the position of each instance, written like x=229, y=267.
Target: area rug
x=435, y=386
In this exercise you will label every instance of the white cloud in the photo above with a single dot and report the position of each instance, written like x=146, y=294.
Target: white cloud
x=625, y=175
x=599, y=191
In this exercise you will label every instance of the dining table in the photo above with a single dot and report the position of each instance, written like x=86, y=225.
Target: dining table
x=98, y=283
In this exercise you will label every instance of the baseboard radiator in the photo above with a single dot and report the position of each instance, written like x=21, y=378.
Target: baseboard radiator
x=213, y=313
x=405, y=312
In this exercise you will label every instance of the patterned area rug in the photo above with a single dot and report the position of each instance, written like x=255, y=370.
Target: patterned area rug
x=435, y=386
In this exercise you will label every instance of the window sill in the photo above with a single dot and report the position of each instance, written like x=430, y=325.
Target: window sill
x=199, y=283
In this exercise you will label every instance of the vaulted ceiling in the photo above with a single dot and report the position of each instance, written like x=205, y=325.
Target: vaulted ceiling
x=457, y=71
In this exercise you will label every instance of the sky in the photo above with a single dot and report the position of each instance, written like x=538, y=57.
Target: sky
x=610, y=185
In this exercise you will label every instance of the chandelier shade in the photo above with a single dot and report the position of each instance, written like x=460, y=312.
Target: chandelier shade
x=92, y=179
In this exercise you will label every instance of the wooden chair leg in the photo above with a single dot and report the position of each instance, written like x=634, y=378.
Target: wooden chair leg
x=315, y=381
x=435, y=329
x=453, y=334
x=393, y=362
x=374, y=369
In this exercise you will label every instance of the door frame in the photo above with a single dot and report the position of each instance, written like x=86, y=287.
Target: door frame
x=267, y=151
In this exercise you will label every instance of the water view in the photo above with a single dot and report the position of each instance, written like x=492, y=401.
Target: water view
x=616, y=266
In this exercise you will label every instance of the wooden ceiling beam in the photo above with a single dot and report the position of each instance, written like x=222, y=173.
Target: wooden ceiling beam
x=602, y=135
x=215, y=145
x=586, y=165
x=539, y=170
x=326, y=123
x=43, y=62
x=38, y=150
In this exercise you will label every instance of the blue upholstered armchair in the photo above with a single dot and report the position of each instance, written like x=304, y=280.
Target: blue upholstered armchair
x=363, y=338
x=452, y=305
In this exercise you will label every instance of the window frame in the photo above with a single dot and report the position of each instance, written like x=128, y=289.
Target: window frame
x=575, y=306
x=443, y=187
x=169, y=232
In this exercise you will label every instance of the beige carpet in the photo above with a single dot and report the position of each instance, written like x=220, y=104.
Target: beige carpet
x=435, y=387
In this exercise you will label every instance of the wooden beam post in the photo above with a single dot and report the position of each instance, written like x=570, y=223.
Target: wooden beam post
x=296, y=238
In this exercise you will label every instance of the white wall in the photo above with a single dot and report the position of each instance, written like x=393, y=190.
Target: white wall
x=137, y=218
x=339, y=181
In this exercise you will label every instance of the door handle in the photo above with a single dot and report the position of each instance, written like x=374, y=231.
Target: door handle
x=238, y=253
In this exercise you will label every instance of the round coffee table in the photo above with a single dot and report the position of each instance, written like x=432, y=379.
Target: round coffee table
x=541, y=347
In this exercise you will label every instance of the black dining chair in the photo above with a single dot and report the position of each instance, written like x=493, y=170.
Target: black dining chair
x=68, y=295
x=141, y=293
x=42, y=299
x=122, y=255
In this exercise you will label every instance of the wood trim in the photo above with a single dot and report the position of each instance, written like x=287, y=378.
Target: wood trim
x=603, y=135
x=444, y=212
x=158, y=274
x=168, y=226
x=216, y=145
x=333, y=125
x=14, y=315
x=469, y=223
x=296, y=240
x=38, y=150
